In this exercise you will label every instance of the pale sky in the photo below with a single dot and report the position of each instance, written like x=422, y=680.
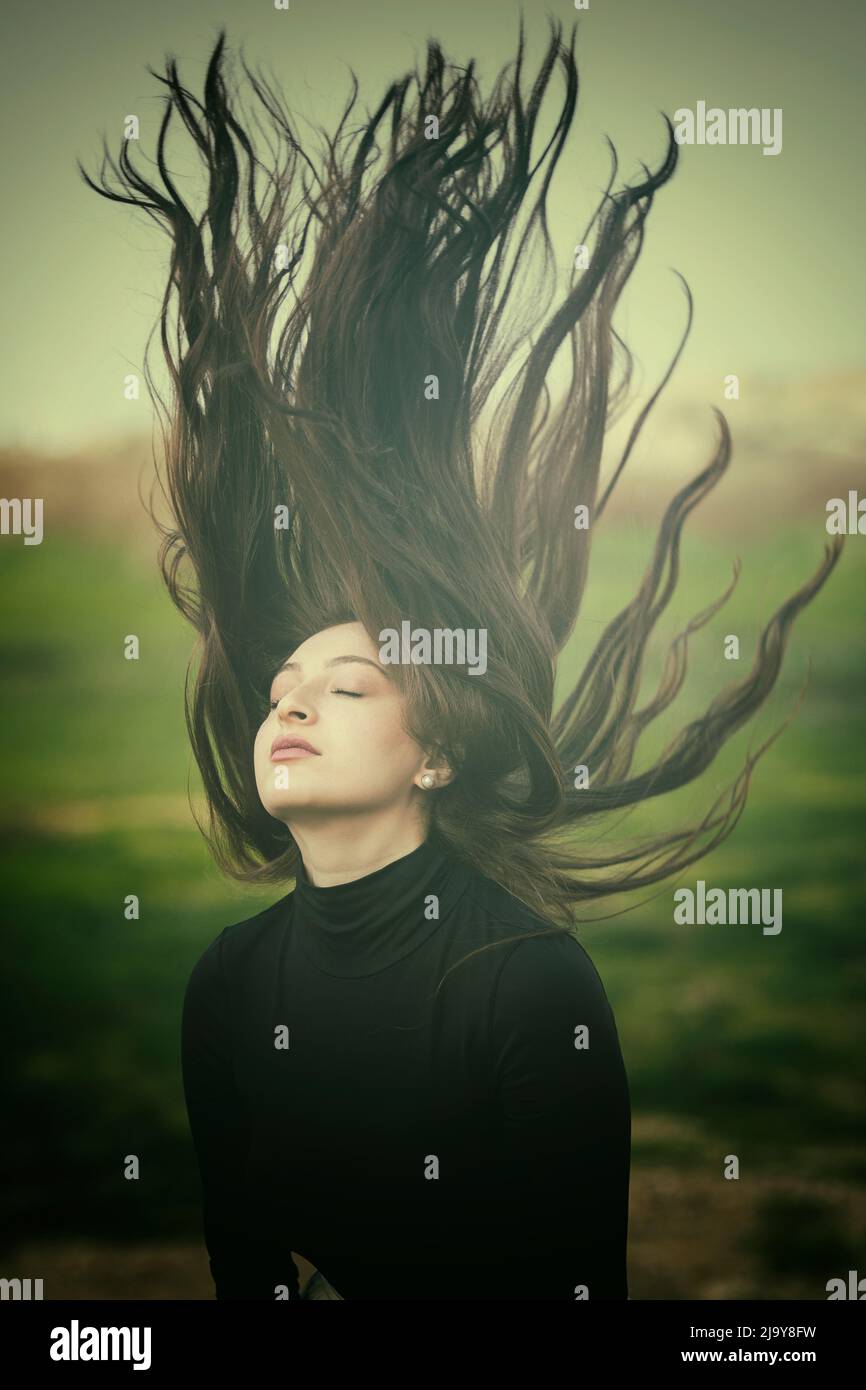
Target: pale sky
x=771, y=246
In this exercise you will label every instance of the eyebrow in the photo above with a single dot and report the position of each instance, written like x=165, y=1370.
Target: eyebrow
x=335, y=661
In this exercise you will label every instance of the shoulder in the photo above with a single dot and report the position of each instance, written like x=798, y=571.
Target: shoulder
x=544, y=972
x=545, y=980
x=540, y=953
x=237, y=948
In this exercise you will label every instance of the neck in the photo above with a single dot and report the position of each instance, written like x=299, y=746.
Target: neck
x=362, y=925
x=339, y=849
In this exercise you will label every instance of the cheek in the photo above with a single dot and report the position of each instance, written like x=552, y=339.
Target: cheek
x=262, y=741
x=391, y=746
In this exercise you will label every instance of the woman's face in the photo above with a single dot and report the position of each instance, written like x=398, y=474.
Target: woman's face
x=334, y=694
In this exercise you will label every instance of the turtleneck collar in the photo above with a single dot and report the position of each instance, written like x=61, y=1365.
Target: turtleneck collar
x=365, y=925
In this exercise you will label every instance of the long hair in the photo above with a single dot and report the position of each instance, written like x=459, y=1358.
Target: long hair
x=325, y=462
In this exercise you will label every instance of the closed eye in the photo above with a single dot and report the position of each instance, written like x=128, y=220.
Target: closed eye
x=353, y=694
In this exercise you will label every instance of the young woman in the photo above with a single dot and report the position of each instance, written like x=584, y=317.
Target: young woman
x=406, y=1069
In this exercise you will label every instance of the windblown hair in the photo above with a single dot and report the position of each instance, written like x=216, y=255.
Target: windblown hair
x=315, y=476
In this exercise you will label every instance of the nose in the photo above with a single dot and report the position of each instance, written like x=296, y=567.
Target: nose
x=295, y=706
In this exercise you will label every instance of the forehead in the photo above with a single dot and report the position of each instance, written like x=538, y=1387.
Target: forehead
x=345, y=638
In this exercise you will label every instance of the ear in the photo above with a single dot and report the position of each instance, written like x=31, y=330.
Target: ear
x=437, y=767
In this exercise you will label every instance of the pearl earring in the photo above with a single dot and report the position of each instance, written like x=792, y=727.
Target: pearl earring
x=428, y=780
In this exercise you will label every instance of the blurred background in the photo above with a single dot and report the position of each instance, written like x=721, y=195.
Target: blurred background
x=735, y=1042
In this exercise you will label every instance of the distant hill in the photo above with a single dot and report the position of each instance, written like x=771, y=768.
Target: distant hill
x=93, y=491
x=796, y=443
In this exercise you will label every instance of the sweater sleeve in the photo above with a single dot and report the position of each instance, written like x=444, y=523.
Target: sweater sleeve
x=564, y=1131
x=247, y=1261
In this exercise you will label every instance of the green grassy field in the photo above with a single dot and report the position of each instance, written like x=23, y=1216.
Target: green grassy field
x=735, y=1042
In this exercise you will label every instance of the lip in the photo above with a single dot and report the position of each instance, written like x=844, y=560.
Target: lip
x=287, y=748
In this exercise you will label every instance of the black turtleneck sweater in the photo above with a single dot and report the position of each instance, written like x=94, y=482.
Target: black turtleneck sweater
x=470, y=1144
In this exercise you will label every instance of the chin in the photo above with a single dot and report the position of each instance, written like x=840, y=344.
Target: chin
x=291, y=805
